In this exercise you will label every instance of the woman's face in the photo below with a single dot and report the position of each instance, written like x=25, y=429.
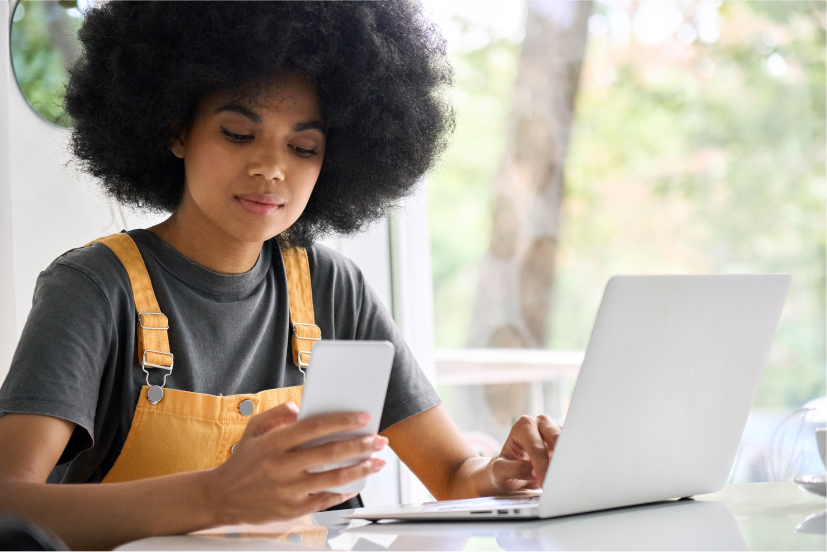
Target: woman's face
x=250, y=169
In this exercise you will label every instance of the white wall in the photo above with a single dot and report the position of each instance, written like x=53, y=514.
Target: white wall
x=8, y=325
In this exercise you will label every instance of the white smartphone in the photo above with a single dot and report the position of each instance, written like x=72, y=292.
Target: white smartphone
x=347, y=376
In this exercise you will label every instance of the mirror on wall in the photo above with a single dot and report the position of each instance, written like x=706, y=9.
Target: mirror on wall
x=44, y=45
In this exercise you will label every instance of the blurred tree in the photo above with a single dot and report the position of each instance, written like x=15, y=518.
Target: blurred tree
x=512, y=301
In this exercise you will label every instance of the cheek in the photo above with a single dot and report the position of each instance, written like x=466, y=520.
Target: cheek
x=209, y=171
x=304, y=183
x=209, y=161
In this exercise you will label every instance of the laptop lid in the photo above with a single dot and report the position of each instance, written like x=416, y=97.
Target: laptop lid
x=663, y=395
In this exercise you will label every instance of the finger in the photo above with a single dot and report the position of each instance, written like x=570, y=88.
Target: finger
x=315, y=482
x=319, y=426
x=274, y=418
x=337, y=451
x=528, y=436
x=549, y=431
x=505, y=470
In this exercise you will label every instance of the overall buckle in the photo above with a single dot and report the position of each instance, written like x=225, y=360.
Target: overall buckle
x=141, y=322
x=303, y=337
x=156, y=392
x=303, y=365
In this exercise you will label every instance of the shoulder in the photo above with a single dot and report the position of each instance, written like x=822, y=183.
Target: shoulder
x=335, y=279
x=326, y=260
x=92, y=267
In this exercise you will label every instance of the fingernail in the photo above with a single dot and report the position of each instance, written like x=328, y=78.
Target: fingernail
x=363, y=418
x=379, y=443
x=348, y=496
x=378, y=464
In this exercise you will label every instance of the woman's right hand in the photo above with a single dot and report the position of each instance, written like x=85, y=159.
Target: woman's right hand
x=267, y=476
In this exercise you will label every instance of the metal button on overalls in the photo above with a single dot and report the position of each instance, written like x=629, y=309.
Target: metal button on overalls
x=246, y=407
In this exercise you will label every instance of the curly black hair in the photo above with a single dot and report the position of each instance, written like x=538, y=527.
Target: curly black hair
x=379, y=67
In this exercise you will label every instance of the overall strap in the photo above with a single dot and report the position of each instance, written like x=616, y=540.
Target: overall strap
x=153, y=343
x=305, y=332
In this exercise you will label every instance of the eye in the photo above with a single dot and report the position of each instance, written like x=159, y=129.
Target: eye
x=236, y=137
x=302, y=152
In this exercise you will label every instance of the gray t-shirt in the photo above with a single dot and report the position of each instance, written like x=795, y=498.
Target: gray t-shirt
x=77, y=359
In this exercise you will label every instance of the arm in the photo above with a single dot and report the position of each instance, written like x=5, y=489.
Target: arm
x=91, y=516
x=265, y=480
x=433, y=448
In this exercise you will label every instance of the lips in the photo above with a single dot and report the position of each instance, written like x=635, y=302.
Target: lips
x=260, y=204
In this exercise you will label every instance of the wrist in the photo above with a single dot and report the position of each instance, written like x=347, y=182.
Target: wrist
x=484, y=480
x=211, y=489
x=471, y=479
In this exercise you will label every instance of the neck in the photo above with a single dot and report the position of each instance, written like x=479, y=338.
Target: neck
x=202, y=242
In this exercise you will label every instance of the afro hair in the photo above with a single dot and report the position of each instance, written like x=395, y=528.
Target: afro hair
x=379, y=68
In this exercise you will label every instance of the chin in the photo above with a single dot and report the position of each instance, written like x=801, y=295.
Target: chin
x=255, y=234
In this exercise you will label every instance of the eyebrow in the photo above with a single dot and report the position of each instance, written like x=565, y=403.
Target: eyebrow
x=241, y=110
x=310, y=125
x=256, y=118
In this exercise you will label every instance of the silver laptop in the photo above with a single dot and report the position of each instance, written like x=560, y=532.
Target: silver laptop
x=663, y=395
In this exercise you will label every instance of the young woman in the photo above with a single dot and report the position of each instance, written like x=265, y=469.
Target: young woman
x=167, y=363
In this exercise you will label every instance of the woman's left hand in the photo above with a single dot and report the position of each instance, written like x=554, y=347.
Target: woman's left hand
x=525, y=457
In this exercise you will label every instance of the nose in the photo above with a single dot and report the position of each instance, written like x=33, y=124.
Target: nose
x=268, y=162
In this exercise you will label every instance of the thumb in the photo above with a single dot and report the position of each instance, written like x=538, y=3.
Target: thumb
x=274, y=418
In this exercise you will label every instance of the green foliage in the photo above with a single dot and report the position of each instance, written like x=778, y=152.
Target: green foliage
x=37, y=60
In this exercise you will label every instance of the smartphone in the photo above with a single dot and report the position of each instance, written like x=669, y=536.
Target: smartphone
x=347, y=376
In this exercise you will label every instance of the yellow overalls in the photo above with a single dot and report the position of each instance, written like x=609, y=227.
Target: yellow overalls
x=176, y=431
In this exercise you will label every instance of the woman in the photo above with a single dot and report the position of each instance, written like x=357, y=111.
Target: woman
x=166, y=363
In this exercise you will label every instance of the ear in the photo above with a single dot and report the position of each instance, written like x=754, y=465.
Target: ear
x=176, y=141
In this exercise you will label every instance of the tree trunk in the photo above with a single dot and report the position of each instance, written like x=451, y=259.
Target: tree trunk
x=514, y=291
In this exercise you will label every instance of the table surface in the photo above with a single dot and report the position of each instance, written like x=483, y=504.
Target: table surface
x=750, y=516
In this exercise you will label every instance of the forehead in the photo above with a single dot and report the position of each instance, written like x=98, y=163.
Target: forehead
x=288, y=93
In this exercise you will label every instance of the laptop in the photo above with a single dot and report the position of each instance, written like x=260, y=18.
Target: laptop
x=672, y=367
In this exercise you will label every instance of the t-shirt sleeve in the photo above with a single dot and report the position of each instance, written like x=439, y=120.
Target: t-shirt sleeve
x=62, y=352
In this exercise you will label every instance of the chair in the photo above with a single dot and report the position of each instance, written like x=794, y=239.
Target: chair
x=19, y=534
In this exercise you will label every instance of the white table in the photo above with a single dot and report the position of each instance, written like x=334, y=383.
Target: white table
x=751, y=516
